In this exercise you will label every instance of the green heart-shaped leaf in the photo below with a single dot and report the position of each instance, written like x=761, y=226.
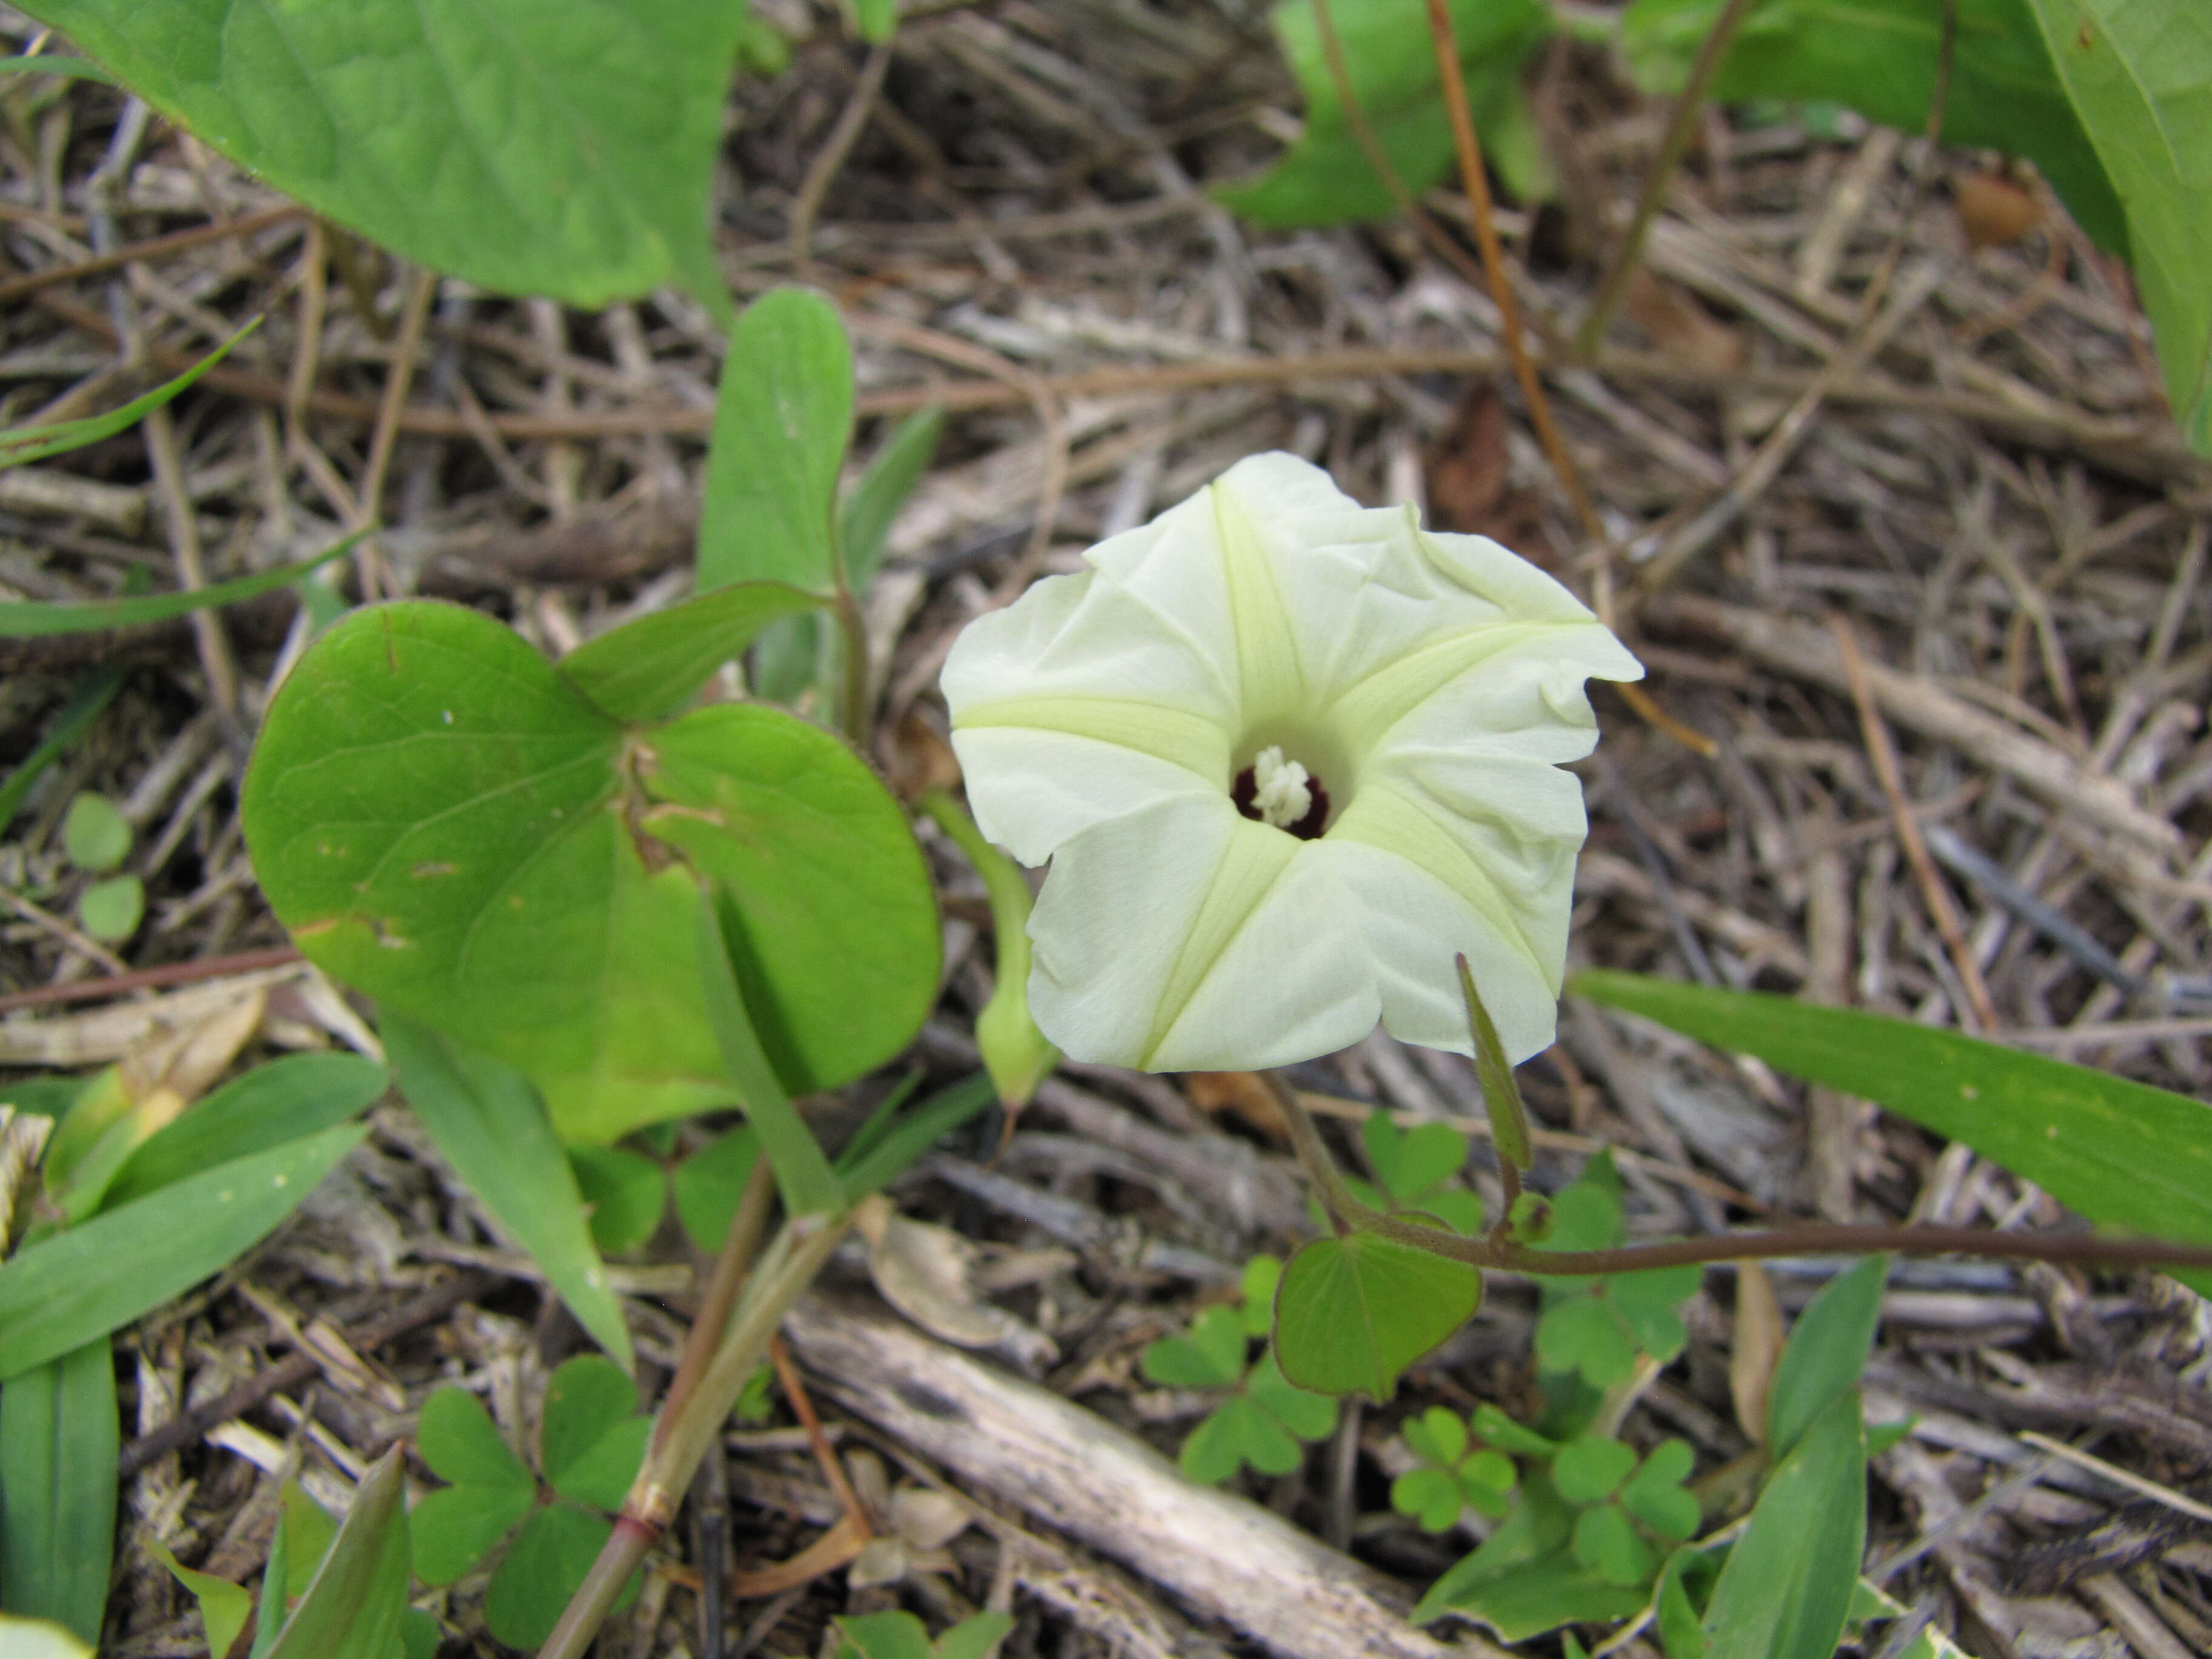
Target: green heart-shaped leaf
x=1352, y=1313
x=444, y=821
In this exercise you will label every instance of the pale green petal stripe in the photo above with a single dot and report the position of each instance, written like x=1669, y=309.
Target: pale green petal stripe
x=1271, y=679
x=1176, y=735
x=1252, y=863
x=1383, y=818
x=1367, y=711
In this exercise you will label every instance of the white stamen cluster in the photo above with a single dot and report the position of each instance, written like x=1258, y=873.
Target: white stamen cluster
x=1279, y=788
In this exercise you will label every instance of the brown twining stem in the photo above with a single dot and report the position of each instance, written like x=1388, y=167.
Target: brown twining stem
x=1468, y=150
x=1348, y=1214
x=732, y=1262
x=825, y=1455
x=1672, y=150
x=1362, y=134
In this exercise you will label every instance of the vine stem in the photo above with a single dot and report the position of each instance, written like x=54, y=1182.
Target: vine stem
x=1348, y=1215
x=1469, y=148
x=1672, y=150
x=688, y=1424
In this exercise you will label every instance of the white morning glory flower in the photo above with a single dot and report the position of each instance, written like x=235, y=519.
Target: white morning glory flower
x=1287, y=755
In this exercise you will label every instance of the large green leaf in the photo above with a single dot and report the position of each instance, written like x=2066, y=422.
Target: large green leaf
x=1789, y=1580
x=1325, y=178
x=560, y=147
x=1353, y=1312
x=782, y=418
x=2121, y=1154
x=1879, y=58
x=58, y=1448
x=82, y=1283
x=487, y=1120
x=442, y=820
x=2140, y=76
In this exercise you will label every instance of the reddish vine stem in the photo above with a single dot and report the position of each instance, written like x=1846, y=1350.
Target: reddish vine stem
x=1348, y=1214
x=1469, y=148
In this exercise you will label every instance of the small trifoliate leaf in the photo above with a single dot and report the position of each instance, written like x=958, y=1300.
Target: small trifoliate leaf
x=1306, y=1415
x=588, y=1398
x=1409, y=1162
x=1485, y=1481
x=1436, y=1435
x=1588, y=1467
x=1430, y=1496
x=458, y=1527
x=893, y=1635
x=626, y=1193
x=602, y=1474
x=459, y=1441
x=1583, y=1335
x=1654, y=1494
x=534, y=1581
x=1211, y=1357
x=1608, y=1546
x=974, y=1637
x=708, y=1184
x=1585, y=1217
x=1647, y=1305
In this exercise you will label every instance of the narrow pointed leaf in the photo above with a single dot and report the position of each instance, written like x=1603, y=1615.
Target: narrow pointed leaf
x=809, y=1185
x=19, y=620
x=23, y=444
x=2121, y=1154
x=782, y=418
x=298, y=1095
x=357, y=1599
x=875, y=501
x=1501, y=1092
x=489, y=1123
x=2139, y=77
x=77, y=1285
x=1789, y=1580
x=648, y=669
x=1827, y=1350
x=59, y=1447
